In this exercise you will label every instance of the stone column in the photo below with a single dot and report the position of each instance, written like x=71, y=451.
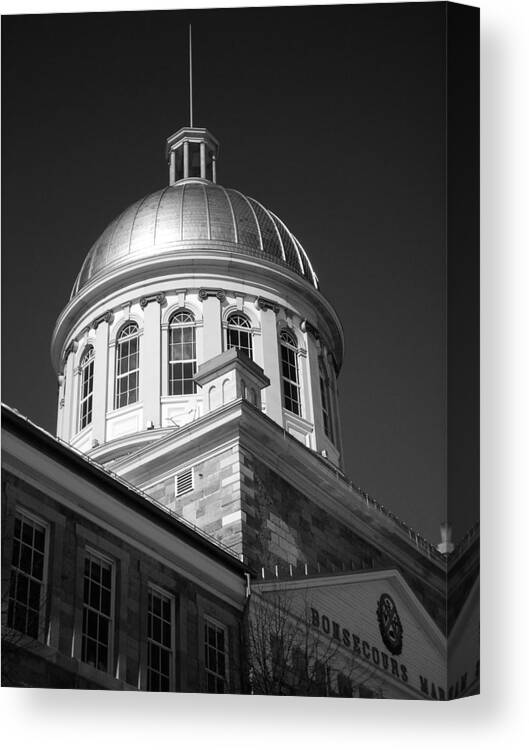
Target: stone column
x=101, y=327
x=186, y=159
x=69, y=406
x=203, y=160
x=271, y=366
x=314, y=411
x=214, y=168
x=172, y=168
x=211, y=313
x=150, y=381
x=337, y=425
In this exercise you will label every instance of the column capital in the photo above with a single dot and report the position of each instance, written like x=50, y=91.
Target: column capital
x=106, y=317
x=72, y=347
x=158, y=297
x=220, y=294
x=307, y=327
x=266, y=304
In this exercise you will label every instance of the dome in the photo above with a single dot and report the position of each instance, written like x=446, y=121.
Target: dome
x=194, y=211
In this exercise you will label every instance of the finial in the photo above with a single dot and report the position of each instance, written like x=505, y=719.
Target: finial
x=446, y=545
x=190, y=78
x=192, y=152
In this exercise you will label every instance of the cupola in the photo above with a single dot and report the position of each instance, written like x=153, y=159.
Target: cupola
x=192, y=152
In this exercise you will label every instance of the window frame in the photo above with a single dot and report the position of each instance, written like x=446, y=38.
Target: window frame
x=158, y=590
x=171, y=362
x=120, y=377
x=89, y=550
x=83, y=367
x=213, y=622
x=290, y=346
x=238, y=329
x=43, y=608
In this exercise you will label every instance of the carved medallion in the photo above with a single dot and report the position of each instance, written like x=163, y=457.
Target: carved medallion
x=389, y=624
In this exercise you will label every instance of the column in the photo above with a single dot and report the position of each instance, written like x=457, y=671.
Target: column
x=150, y=376
x=272, y=394
x=60, y=403
x=337, y=425
x=101, y=326
x=211, y=313
x=314, y=411
x=214, y=168
x=172, y=168
x=203, y=160
x=186, y=159
x=66, y=433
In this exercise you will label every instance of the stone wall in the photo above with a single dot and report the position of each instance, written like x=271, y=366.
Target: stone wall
x=249, y=507
x=214, y=504
x=283, y=528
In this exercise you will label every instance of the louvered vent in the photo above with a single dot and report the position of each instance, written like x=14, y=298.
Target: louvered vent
x=184, y=481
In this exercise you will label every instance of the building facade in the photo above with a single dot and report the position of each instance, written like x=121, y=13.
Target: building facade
x=104, y=589
x=197, y=366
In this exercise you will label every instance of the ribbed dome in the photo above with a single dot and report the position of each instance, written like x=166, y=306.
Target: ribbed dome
x=190, y=211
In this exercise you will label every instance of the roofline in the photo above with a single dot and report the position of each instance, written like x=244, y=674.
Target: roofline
x=147, y=507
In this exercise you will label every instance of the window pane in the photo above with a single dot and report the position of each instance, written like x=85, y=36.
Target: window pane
x=97, y=606
x=127, y=367
x=182, y=355
x=159, y=642
x=239, y=334
x=215, y=656
x=27, y=576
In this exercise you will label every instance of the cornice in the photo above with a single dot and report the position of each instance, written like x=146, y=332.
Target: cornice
x=174, y=267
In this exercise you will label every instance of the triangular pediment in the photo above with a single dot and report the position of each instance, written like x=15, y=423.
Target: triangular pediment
x=349, y=608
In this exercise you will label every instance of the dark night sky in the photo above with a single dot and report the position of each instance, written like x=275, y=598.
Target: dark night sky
x=332, y=117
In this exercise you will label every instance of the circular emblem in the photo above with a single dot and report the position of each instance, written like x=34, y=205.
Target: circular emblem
x=389, y=624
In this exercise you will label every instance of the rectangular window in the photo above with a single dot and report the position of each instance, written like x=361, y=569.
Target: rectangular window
x=26, y=606
x=182, y=356
x=289, y=371
x=98, y=611
x=216, y=657
x=160, y=639
x=87, y=395
x=127, y=367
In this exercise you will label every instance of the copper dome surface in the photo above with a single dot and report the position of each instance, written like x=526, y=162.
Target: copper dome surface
x=191, y=211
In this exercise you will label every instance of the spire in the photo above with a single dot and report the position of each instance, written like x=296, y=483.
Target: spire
x=192, y=152
x=190, y=78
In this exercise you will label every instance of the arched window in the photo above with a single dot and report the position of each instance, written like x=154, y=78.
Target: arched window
x=326, y=403
x=127, y=366
x=289, y=372
x=86, y=368
x=182, y=353
x=239, y=334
